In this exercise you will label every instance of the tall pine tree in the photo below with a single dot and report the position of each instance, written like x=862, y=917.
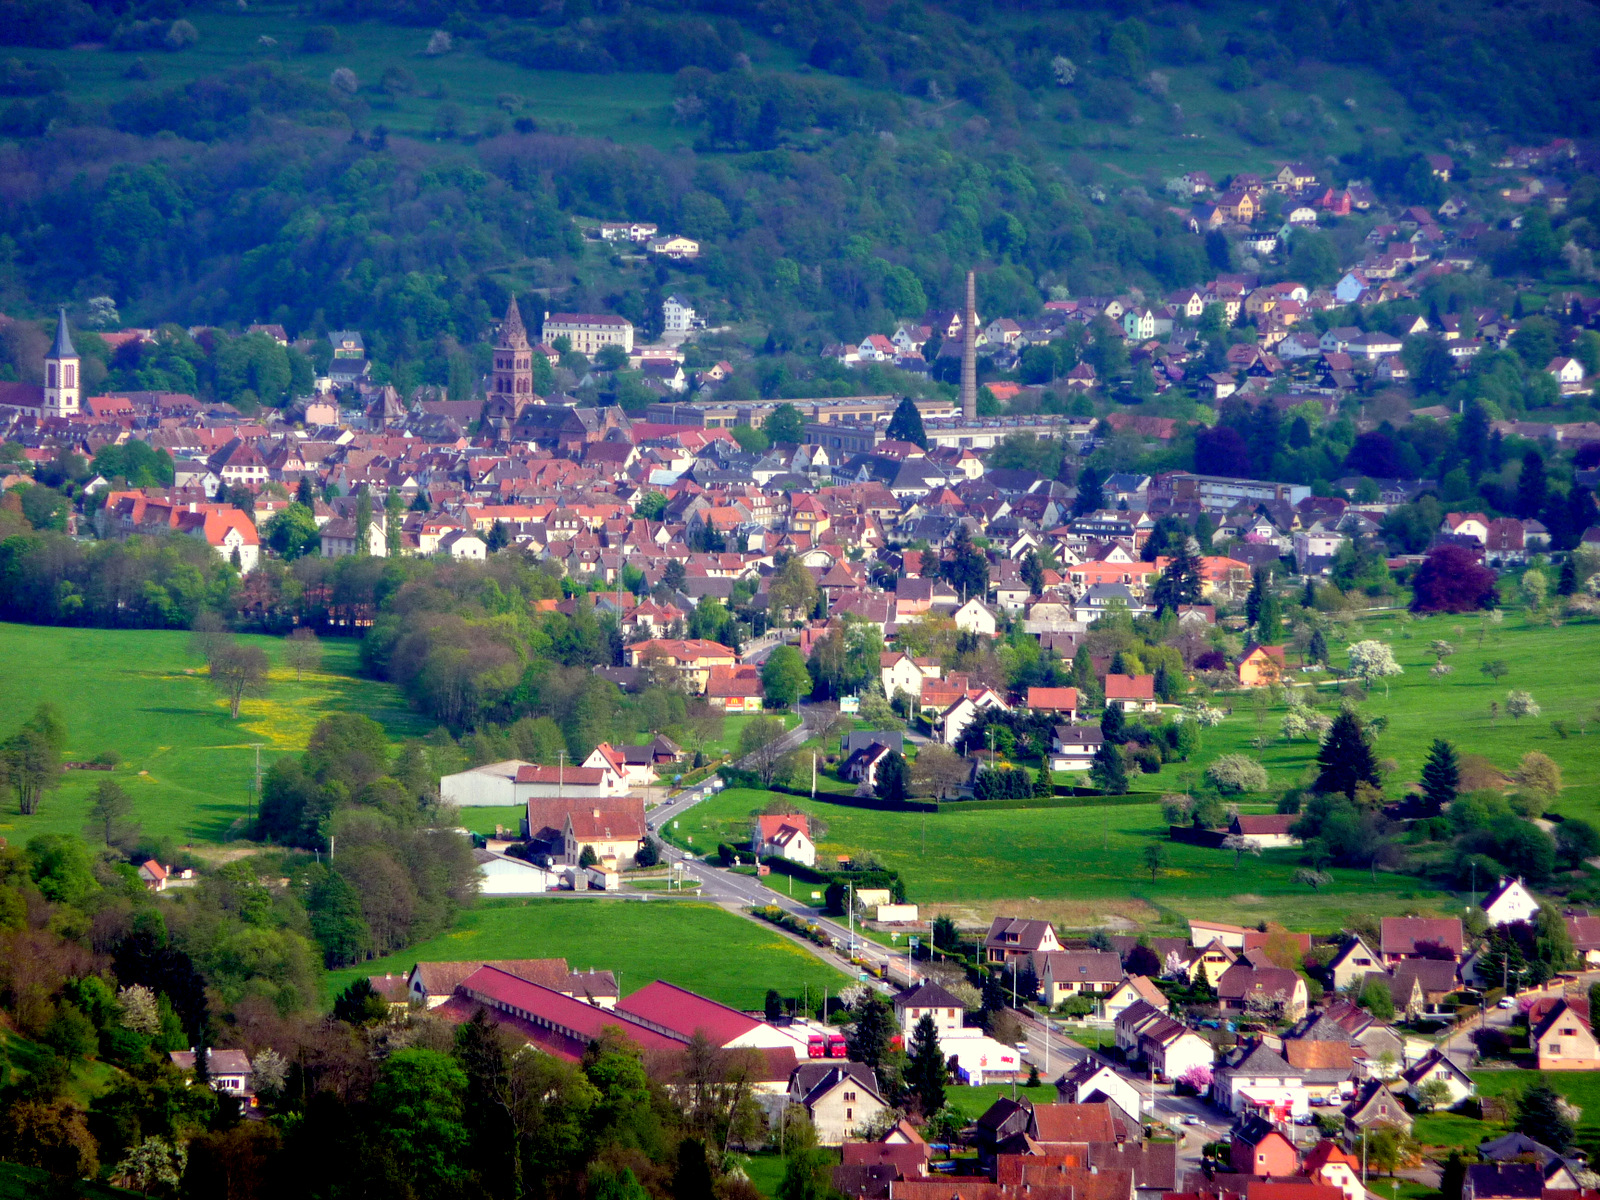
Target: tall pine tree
x=1441, y=775
x=1179, y=583
x=1346, y=758
x=927, y=1071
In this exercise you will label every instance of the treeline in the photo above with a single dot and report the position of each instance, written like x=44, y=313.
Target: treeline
x=396, y=873
x=100, y=980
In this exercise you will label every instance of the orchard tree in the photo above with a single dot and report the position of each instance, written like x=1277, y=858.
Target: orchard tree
x=1373, y=660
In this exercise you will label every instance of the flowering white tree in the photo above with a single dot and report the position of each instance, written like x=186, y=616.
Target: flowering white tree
x=1203, y=714
x=1521, y=704
x=1373, y=660
x=139, y=1010
x=1293, y=725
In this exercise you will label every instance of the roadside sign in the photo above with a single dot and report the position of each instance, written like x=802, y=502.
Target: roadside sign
x=816, y=895
x=914, y=941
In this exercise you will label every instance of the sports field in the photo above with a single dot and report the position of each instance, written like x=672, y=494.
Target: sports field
x=185, y=762
x=697, y=946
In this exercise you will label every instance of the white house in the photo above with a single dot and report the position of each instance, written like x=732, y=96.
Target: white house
x=929, y=1000
x=502, y=784
x=501, y=875
x=1172, y=1050
x=784, y=835
x=1349, y=289
x=977, y=617
x=1510, y=902
x=464, y=544
x=677, y=316
x=1073, y=747
x=902, y=673
x=1437, y=1068
x=1568, y=373
x=1093, y=1080
x=955, y=719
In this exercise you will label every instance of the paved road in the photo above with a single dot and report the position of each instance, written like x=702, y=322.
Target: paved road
x=725, y=887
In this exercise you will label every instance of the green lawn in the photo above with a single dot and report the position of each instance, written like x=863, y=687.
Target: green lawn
x=696, y=946
x=1580, y=1087
x=973, y=1102
x=1086, y=857
x=186, y=764
x=20, y=1056
x=1451, y=1129
x=1556, y=665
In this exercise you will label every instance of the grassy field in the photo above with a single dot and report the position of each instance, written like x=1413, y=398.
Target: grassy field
x=1582, y=1088
x=697, y=946
x=1556, y=665
x=973, y=1102
x=1080, y=866
x=19, y=1056
x=186, y=764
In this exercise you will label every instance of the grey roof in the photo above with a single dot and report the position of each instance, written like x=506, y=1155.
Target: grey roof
x=861, y=739
x=927, y=995
x=62, y=347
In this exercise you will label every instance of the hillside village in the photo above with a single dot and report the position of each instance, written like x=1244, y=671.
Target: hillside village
x=1063, y=547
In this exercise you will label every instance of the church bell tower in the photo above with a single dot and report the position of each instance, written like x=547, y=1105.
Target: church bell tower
x=513, y=360
x=61, y=382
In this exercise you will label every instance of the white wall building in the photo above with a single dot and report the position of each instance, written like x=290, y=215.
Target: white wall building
x=677, y=316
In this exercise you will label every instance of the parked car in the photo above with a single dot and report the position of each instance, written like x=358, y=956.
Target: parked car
x=1507, y=1002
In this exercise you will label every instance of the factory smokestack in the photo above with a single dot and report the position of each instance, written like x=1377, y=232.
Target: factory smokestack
x=969, y=352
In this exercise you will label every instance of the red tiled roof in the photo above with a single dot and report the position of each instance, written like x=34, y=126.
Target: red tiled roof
x=667, y=1006
x=1052, y=697
x=561, y=1024
x=585, y=776
x=1130, y=687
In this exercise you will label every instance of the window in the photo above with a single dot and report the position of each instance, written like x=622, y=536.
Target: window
x=849, y=1097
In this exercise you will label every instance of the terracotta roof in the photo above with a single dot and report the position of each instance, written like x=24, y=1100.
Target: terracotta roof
x=1401, y=934
x=667, y=1006
x=1053, y=697
x=1130, y=687
x=583, y=776
x=1311, y=1055
x=1074, y=1122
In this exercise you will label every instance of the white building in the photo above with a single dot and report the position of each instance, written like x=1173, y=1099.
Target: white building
x=1510, y=902
x=677, y=316
x=588, y=333
x=501, y=875
x=503, y=784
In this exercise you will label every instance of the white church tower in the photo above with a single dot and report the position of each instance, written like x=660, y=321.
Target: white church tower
x=61, y=381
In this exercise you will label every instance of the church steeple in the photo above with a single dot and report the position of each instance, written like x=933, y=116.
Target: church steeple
x=61, y=395
x=513, y=358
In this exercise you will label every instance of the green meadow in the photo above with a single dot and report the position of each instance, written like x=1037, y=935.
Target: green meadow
x=696, y=946
x=1084, y=865
x=1560, y=667
x=185, y=762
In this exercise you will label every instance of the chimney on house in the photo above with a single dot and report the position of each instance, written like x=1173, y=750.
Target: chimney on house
x=969, y=352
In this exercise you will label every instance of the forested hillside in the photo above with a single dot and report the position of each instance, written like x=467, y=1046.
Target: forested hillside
x=402, y=167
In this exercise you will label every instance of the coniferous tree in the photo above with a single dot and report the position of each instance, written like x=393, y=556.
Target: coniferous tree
x=1567, y=583
x=1346, y=758
x=893, y=782
x=1108, y=771
x=1317, y=651
x=927, y=1071
x=1269, y=627
x=1441, y=775
x=303, y=494
x=1179, y=583
x=1113, y=723
x=1308, y=598
x=1539, y=1116
x=906, y=424
x=874, y=1027
x=1044, y=783
x=1252, y=602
